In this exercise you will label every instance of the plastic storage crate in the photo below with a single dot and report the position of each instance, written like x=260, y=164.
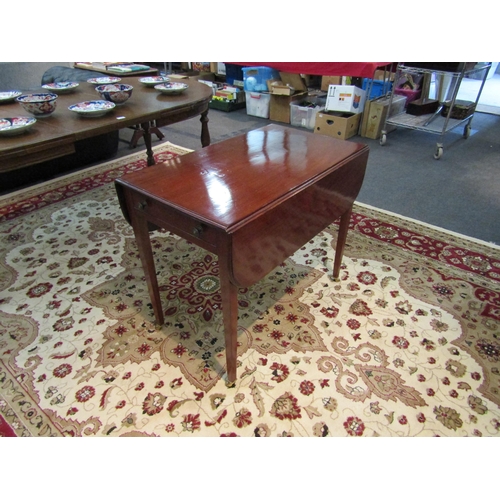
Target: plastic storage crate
x=255, y=78
x=258, y=104
x=303, y=113
x=226, y=105
x=378, y=88
x=233, y=72
x=411, y=95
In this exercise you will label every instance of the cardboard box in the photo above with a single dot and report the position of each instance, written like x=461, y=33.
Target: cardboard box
x=312, y=80
x=326, y=81
x=218, y=68
x=376, y=112
x=294, y=80
x=338, y=125
x=287, y=84
x=277, y=87
x=280, y=106
x=345, y=98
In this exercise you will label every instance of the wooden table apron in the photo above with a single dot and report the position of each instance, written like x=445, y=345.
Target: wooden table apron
x=55, y=135
x=252, y=200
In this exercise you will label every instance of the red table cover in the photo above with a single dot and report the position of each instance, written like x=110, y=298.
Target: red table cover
x=357, y=69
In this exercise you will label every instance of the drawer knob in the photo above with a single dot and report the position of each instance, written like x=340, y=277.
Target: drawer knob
x=198, y=230
x=142, y=205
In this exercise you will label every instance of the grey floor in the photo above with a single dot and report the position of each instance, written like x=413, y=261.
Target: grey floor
x=459, y=192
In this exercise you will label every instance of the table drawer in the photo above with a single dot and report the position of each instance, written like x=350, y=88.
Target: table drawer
x=174, y=220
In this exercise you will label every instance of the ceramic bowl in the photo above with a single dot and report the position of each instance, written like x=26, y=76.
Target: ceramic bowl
x=60, y=87
x=171, y=88
x=16, y=125
x=39, y=105
x=117, y=93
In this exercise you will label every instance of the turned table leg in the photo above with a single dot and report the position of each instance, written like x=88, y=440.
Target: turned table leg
x=205, y=134
x=147, y=140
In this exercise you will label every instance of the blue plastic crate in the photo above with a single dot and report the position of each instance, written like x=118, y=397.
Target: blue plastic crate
x=378, y=89
x=255, y=78
x=233, y=72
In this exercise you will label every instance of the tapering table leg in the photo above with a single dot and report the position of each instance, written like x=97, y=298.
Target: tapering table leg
x=143, y=241
x=229, y=293
x=342, y=236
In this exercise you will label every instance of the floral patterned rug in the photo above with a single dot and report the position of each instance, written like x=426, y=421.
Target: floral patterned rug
x=405, y=344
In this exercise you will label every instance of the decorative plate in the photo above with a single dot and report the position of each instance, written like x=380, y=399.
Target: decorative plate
x=151, y=81
x=104, y=80
x=15, y=125
x=61, y=87
x=10, y=95
x=171, y=88
x=92, y=108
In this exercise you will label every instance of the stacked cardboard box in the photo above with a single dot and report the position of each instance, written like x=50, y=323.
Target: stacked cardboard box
x=289, y=88
x=343, y=110
x=345, y=98
x=337, y=124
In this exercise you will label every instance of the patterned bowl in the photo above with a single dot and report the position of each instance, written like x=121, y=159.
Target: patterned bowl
x=117, y=93
x=16, y=125
x=60, y=87
x=104, y=80
x=9, y=95
x=151, y=81
x=92, y=108
x=171, y=88
x=39, y=105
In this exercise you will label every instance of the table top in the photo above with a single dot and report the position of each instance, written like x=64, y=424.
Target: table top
x=64, y=127
x=232, y=182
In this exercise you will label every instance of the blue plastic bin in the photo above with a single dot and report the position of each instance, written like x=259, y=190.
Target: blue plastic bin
x=255, y=78
x=378, y=88
x=233, y=72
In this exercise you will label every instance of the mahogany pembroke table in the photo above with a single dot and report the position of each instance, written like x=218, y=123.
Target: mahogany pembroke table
x=252, y=200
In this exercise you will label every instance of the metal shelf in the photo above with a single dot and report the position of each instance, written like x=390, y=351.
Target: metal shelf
x=464, y=72
x=419, y=122
x=435, y=123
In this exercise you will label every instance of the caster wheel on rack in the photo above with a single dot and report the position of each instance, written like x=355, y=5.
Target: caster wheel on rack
x=383, y=139
x=466, y=131
x=438, y=153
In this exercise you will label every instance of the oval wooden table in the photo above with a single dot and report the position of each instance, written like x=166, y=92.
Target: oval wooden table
x=55, y=135
x=252, y=200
